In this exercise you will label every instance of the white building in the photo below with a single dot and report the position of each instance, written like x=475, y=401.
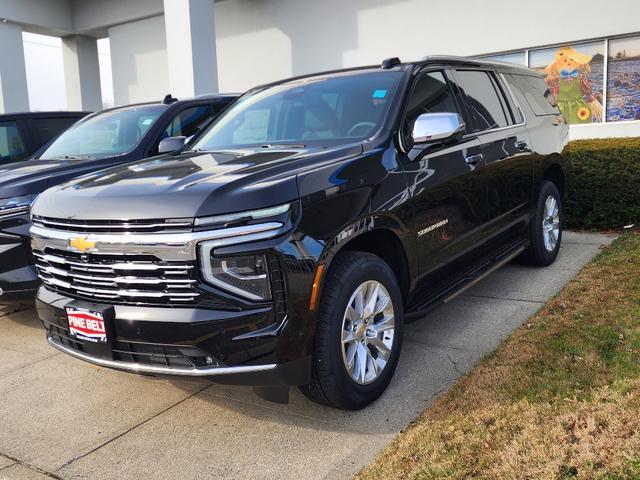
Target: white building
x=188, y=47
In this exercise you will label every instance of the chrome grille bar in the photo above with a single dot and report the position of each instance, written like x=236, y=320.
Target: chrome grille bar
x=85, y=226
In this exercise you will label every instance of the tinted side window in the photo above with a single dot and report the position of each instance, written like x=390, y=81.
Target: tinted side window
x=483, y=99
x=12, y=146
x=189, y=121
x=514, y=97
x=430, y=94
x=538, y=95
x=49, y=128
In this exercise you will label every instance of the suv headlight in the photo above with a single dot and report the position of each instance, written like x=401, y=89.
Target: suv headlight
x=244, y=275
x=14, y=206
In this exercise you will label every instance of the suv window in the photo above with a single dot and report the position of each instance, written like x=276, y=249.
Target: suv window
x=483, y=99
x=108, y=133
x=538, y=95
x=49, y=128
x=12, y=147
x=430, y=94
x=189, y=121
x=337, y=109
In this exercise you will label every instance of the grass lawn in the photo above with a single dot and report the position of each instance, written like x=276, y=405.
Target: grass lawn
x=560, y=398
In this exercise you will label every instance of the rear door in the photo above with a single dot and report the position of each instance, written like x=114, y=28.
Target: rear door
x=500, y=127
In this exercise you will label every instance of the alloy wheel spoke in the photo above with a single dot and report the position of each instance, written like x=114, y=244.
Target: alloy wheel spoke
x=361, y=360
x=387, y=323
x=371, y=300
x=380, y=347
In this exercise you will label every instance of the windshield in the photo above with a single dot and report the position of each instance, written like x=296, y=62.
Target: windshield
x=320, y=110
x=106, y=134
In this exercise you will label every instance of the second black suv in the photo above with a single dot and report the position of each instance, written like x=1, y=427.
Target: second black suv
x=289, y=242
x=103, y=139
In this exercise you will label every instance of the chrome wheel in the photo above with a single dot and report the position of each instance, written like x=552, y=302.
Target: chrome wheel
x=367, y=332
x=551, y=223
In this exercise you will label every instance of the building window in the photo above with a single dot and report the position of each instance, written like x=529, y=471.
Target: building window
x=623, y=83
x=575, y=76
x=516, y=57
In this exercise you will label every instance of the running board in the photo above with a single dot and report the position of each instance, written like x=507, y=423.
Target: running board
x=501, y=263
x=472, y=276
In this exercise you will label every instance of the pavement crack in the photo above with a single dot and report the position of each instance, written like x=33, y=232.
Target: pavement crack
x=455, y=365
x=17, y=461
x=513, y=299
x=55, y=354
x=156, y=415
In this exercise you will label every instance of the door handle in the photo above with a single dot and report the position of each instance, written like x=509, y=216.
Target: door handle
x=521, y=145
x=474, y=159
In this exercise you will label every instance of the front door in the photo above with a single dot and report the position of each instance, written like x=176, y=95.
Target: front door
x=443, y=179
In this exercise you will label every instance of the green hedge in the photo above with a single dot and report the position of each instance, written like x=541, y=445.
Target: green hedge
x=604, y=183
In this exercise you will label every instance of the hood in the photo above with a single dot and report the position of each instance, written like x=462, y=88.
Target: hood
x=35, y=176
x=188, y=185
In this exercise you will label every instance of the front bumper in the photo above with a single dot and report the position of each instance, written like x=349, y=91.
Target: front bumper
x=219, y=345
x=18, y=278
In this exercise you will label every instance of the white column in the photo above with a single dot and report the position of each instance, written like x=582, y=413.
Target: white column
x=191, y=47
x=14, y=96
x=81, y=73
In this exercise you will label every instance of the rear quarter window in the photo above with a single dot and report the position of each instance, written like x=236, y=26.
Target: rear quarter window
x=537, y=95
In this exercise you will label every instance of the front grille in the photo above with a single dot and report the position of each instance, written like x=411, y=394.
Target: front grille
x=172, y=356
x=138, y=279
x=115, y=226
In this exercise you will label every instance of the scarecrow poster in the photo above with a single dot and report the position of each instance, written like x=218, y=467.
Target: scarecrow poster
x=574, y=74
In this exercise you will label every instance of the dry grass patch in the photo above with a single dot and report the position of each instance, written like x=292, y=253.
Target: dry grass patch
x=560, y=398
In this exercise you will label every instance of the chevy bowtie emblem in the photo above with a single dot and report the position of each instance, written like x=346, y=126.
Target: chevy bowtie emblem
x=81, y=243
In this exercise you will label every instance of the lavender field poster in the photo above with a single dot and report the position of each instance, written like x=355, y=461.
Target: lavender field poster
x=623, y=83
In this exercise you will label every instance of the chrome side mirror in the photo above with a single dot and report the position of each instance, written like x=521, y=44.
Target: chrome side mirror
x=171, y=144
x=433, y=127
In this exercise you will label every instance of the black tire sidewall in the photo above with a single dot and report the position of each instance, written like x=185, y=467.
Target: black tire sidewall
x=357, y=269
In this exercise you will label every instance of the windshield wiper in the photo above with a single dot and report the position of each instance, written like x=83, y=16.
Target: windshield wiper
x=71, y=157
x=283, y=145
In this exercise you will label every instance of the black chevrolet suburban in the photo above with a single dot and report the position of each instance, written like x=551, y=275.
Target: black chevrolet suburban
x=110, y=137
x=289, y=243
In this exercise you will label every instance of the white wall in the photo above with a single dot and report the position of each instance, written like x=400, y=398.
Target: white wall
x=259, y=41
x=139, y=61
x=45, y=74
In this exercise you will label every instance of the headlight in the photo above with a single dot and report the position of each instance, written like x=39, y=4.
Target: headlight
x=246, y=275
x=14, y=206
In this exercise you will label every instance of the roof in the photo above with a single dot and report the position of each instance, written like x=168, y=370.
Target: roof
x=206, y=96
x=446, y=59
x=43, y=114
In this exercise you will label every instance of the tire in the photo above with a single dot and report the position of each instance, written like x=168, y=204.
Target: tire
x=331, y=382
x=540, y=252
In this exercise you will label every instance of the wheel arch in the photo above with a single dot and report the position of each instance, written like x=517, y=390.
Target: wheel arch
x=380, y=237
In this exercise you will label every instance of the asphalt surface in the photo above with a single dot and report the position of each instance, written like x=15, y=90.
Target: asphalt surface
x=62, y=418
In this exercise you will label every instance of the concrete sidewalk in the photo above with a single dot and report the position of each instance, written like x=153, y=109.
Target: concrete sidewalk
x=63, y=418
